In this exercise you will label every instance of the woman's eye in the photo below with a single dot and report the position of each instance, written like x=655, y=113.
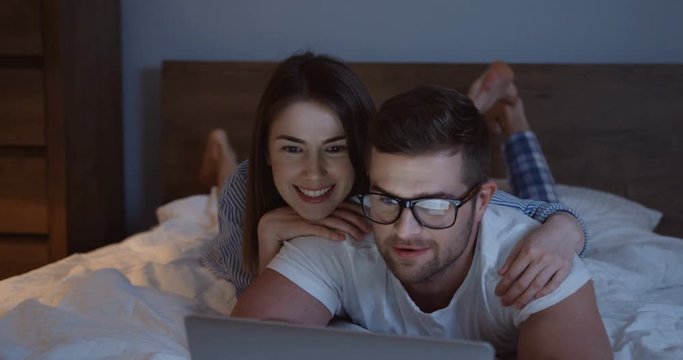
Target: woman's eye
x=291, y=149
x=336, y=149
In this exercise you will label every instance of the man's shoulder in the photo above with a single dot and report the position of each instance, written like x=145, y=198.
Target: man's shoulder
x=500, y=230
x=349, y=250
x=507, y=223
x=506, y=214
x=312, y=243
x=332, y=271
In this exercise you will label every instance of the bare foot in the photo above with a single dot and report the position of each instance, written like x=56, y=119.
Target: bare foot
x=492, y=86
x=507, y=118
x=218, y=161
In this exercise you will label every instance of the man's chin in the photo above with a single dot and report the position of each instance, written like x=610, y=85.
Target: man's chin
x=406, y=272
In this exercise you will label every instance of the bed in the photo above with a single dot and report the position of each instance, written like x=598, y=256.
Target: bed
x=612, y=134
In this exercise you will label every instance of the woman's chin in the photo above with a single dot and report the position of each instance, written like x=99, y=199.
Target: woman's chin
x=314, y=212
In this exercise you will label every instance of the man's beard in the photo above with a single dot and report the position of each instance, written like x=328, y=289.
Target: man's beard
x=434, y=267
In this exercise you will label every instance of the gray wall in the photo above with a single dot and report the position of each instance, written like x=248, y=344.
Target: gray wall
x=607, y=31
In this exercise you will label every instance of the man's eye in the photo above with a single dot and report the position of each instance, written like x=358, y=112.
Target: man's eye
x=434, y=204
x=387, y=200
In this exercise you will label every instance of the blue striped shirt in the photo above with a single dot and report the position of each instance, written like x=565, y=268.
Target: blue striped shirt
x=223, y=253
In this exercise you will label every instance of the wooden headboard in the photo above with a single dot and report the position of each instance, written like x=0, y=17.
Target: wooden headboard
x=617, y=128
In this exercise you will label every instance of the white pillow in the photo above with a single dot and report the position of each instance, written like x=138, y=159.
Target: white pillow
x=601, y=208
x=199, y=208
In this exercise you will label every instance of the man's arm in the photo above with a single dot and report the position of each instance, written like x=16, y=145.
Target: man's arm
x=570, y=329
x=274, y=297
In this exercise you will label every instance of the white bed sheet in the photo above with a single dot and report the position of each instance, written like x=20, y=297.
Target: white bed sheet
x=123, y=301
x=128, y=301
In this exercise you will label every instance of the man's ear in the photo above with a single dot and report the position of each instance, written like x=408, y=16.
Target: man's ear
x=484, y=198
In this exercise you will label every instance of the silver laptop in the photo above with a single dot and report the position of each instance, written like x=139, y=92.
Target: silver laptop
x=230, y=338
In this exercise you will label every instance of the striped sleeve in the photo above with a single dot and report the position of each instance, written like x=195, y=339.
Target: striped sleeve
x=539, y=210
x=223, y=253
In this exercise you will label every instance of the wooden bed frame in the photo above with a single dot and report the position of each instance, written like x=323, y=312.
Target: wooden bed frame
x=616, y=128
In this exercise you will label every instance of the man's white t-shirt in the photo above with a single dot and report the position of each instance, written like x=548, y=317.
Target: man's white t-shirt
x=352, y=280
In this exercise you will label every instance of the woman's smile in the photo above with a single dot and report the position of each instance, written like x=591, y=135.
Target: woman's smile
x=314, y=196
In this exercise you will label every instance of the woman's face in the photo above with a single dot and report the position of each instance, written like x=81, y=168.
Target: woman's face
x=308, y=155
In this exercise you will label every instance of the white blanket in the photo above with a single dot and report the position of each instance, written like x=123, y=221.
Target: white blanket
x=128, y=301
x=124, y=301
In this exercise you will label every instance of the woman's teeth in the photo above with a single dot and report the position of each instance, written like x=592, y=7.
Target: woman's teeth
x=315, y=193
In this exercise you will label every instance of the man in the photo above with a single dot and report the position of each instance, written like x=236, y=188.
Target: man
x=431, y=269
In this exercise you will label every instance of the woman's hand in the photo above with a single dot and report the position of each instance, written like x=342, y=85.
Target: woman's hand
x=283, y=224
x=540, y=262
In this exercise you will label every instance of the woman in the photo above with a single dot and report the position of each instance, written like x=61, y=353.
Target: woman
x=307, y=157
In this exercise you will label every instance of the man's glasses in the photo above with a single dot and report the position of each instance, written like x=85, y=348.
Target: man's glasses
x=433, y=213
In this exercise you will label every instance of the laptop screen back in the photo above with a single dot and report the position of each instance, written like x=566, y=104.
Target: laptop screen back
x=211, y=338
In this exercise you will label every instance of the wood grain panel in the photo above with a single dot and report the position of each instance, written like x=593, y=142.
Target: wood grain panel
x=21, y=106
x=20, y=32
x=196, y=99
x=21, y=254
x=23, y=194
x=84, y=128
x=616, y=128
x=55, y=131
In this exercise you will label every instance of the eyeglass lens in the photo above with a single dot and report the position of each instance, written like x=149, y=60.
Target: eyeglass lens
x=429, y=212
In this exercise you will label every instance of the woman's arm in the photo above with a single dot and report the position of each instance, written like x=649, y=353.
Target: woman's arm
x=223, y=253
x=541, y=211
x=531, y=178
x=541, y=260
x=284, y=223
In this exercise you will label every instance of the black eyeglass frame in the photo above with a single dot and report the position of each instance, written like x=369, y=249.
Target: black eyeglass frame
x=410, y=204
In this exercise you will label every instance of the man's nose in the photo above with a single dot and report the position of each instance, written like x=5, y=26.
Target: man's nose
x=407, y=226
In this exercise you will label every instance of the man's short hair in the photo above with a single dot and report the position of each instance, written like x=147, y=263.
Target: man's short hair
x=431, y=119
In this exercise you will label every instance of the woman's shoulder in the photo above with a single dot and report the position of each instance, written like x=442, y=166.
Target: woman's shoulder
x=235, y=189
x=238, y=178
x=241, y=170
